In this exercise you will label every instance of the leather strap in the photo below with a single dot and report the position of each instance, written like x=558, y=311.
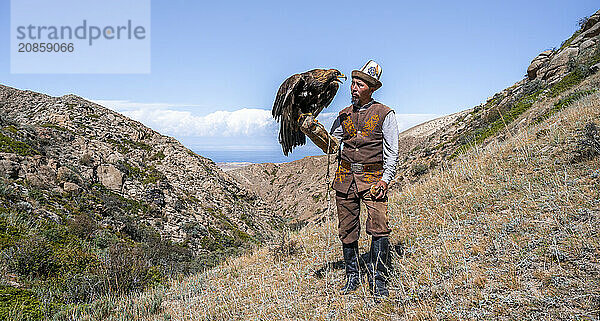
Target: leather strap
x=358, y=168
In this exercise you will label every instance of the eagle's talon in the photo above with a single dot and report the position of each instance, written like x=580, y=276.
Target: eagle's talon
x=304, y=115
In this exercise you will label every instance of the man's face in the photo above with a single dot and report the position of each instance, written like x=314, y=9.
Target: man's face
x=361, y=93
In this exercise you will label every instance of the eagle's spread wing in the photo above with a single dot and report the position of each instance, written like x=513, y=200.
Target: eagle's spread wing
x=285, y=95
x=290, y=135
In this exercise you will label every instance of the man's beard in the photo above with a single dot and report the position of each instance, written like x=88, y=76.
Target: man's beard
x=355, y=101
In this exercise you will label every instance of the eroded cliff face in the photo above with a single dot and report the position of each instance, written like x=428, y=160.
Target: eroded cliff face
x=69, y=147
x=296, y=190
x=555, y=79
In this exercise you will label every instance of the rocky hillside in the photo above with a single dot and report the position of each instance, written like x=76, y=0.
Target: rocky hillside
x=93, y=202
x=437, y=142
x=69, y=144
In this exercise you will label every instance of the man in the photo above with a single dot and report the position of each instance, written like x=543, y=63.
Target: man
x=369, y=133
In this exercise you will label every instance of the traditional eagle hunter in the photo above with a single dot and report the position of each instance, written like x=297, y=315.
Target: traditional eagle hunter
x=305, y=94
x=367, y=160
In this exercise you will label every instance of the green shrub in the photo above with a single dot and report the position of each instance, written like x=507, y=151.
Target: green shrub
x=570, y=80
x=582, y=21
x=32, y=257
x=54, y=126
x=9, y=234
x=8, y=191
x=418, y=169
x=83, y=225
x=9, y=145
x=128, y=268
x=563, y=103
x=158, y=156
x=20, y=302
x=588, y=147
x=11, y=129
x=138, y=145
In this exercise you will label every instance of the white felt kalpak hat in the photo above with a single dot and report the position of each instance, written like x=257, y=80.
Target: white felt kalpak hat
x=369, y=73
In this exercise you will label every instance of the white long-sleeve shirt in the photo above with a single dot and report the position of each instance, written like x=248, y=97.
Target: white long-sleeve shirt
x=390, y=141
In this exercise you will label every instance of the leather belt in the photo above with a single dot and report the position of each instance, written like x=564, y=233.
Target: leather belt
x=359, y=168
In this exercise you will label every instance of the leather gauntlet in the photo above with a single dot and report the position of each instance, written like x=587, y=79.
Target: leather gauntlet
x=318, y=134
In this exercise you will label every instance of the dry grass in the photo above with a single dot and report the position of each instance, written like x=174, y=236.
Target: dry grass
x=507, y=232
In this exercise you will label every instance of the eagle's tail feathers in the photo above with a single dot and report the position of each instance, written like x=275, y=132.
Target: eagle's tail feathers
x=290, y=136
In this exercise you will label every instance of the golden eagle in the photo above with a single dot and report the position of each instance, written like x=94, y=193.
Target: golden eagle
x=306, y=93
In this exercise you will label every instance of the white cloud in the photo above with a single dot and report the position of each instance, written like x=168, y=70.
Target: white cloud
x=248, y=122
x=126, y=105
x=327, y=119
x=242, y=122
x=165, y=119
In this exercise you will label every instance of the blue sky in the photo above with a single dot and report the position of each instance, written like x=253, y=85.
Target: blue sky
x=216, y=66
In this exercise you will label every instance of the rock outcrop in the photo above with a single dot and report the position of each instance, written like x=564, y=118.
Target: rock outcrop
x=551, y=65
x=110, y=177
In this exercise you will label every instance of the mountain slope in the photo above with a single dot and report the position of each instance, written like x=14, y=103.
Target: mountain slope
x=296, y=190
x=92, y=202
x=102, y=146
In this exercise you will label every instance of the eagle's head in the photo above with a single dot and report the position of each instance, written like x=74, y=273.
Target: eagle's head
x=335, y=75
x=327, y=78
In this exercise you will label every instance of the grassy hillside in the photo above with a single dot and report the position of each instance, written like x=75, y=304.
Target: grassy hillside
x=509, y=232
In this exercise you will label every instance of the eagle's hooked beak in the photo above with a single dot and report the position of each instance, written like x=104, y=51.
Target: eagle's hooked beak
x=340, y=76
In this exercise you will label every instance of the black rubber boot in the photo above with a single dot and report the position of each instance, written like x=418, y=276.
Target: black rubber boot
x=378, y=267
x=352, y=270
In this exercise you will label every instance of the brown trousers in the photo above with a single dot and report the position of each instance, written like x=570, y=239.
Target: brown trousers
x=348, y=206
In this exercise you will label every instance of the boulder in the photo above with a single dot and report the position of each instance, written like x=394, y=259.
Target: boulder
x=47, y=172
x=110, y=177
x=537, y=63
x=558, y=65
x=592, y=20
x=587, y=44
x=63, y=173
x=589, y=31
x=71, y=187
x=9, y=169
x=36, y=180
